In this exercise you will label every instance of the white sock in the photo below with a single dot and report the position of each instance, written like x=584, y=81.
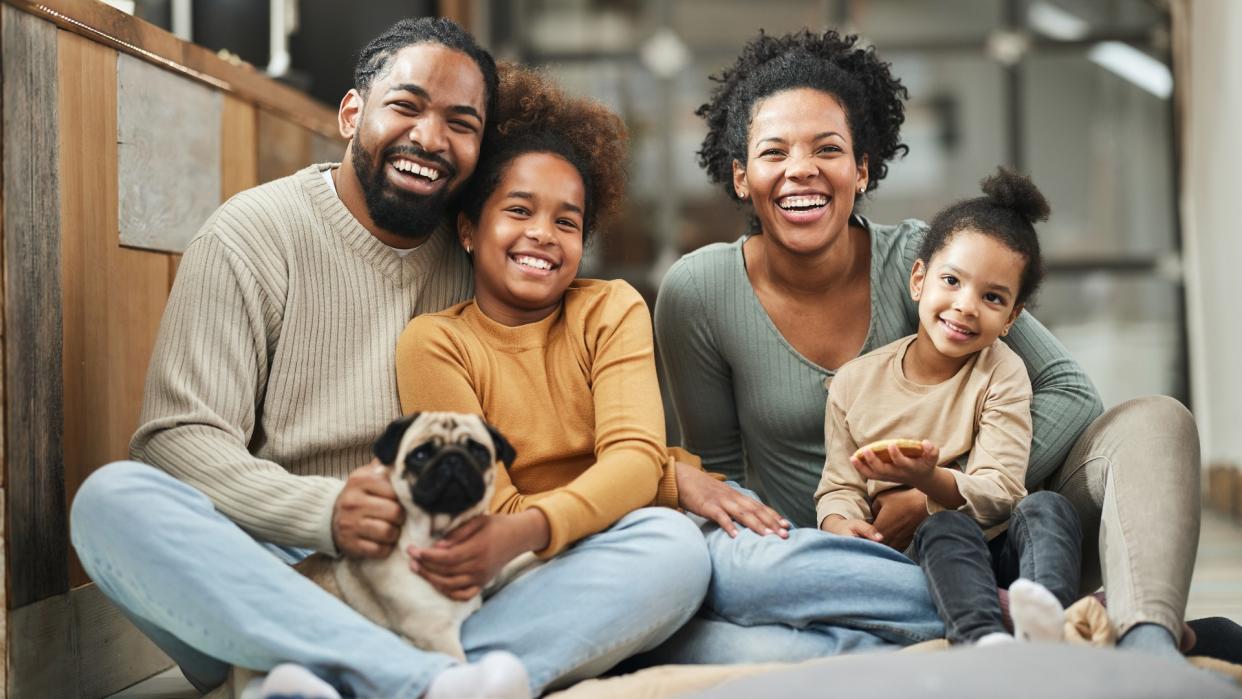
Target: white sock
x=1036, y=613
x=497, y=675
x=995, y=638
x=295, y=682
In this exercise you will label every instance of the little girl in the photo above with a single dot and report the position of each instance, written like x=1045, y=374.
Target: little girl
x=966, y=397
x=565, y=369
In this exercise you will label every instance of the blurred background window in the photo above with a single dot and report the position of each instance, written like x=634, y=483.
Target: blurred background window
x=1077, y=93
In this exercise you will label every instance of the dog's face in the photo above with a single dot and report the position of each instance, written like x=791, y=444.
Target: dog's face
x=442, y=462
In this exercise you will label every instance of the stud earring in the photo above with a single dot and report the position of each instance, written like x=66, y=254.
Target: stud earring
x=862, y=190
x=1005, y=332
x=469, y=249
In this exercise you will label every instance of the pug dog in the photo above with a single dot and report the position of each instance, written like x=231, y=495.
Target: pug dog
x=442, y=467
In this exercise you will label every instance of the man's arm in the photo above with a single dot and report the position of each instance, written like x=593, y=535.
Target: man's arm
x=202, y=391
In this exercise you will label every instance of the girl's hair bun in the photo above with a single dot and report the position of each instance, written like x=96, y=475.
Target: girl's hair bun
x=1010, y=190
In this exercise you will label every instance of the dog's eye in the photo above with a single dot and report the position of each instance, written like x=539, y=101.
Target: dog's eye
x=423, y=452
x=478, y=451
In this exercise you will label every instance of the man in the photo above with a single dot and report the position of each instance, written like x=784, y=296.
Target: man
x=272, y=375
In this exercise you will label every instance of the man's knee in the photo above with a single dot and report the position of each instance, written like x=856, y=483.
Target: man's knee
x=107, y=490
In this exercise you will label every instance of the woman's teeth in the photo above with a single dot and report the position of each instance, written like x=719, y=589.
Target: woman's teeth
x=802, y=201
x=414, y=168
x=535, y=262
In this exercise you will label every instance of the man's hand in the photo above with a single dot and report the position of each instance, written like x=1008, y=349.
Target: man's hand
x=465, y=560
x=897, y=514
x=707, y=497
x=911, y=471
x=367, y=518
x=842, y=526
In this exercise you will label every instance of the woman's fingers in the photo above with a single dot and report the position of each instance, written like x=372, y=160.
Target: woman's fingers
x=722, y=517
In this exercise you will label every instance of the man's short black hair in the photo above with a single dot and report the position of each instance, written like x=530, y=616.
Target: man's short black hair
x=374, y=58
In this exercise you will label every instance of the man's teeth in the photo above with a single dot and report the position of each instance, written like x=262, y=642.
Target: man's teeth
x=528, y=261
x=802, y=201
x=415, y=169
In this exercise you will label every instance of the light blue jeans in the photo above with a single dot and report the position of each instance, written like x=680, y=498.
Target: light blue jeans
x=812, y=595
x=211, y=596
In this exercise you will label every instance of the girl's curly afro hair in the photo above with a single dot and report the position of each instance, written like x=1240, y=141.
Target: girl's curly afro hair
x=533, y=115
x=873, y=99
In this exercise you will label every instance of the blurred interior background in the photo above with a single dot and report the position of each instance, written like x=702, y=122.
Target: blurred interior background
x=1077, y=93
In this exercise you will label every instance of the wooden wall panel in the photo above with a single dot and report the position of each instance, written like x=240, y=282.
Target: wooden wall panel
x=239, y=147
x=169, y=131
x=284, y=147
x=113, y=296
x=34, y=421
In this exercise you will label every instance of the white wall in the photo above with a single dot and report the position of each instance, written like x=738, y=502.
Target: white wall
x=1212, y=221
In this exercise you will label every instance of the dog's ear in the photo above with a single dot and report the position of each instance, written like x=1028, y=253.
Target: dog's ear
x=504, y=450
x=385, y=448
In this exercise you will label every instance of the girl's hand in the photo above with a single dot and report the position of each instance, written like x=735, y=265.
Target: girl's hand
x=707, y=497
x=911, y=471
x=465, y=560
x=857, y=528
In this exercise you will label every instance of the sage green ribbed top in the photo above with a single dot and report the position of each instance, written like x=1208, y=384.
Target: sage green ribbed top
x=275, y=365
x=753, y=407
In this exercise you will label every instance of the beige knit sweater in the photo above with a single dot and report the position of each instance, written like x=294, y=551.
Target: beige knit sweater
x=274, y=369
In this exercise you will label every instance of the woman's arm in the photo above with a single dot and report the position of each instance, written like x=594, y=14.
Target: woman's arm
x=697, y=377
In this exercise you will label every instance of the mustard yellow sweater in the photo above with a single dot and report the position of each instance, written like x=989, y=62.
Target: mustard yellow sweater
x=575, y=393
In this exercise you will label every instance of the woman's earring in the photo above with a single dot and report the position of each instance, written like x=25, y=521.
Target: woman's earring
x=862, y=190
x=469, y=249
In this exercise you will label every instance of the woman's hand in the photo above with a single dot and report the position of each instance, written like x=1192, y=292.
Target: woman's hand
x=465, y=560
x=911, y=471
x=842, y=526
x=897, y=514
x=700, y=494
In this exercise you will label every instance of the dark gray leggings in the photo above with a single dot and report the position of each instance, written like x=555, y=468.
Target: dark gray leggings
x=1043, y=544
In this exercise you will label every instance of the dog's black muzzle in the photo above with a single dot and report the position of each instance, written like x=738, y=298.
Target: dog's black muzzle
x=451, y=482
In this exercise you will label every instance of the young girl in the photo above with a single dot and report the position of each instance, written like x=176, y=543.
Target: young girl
x=564, y=368
x=965, y=396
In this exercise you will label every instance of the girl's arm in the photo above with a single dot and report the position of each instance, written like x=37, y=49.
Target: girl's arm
x=992, y=482
x=842, y=491
x=630, y=451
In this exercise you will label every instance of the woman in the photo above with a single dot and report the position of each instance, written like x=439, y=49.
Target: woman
x=799, y=129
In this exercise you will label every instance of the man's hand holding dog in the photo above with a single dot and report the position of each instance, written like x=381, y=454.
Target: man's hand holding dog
x=467, y=558
x=367, y=518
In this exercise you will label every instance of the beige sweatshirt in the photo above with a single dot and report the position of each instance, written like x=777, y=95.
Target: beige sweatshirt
x=980, y=419
x=275, y=364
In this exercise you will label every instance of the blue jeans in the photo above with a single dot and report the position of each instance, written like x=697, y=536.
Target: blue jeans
x=211, y=596
x=812, y=595
x=1043, y=543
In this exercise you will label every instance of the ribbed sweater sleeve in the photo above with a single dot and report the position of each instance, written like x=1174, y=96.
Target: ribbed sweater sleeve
x=199, y=412
x=273, y=369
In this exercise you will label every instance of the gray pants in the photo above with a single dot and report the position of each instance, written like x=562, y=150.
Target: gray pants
x=1133, y=477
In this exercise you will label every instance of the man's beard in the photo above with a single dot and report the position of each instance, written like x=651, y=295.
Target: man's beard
x=395, y=210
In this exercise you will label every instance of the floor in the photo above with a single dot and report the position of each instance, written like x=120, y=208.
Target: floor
x=1216, y=590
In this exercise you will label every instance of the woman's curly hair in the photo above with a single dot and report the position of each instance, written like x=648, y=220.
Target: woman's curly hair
x=873, y=99
x=1010, y=207
x=533, y=115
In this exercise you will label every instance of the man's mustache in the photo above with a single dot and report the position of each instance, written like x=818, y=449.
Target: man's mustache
x=446, y=168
